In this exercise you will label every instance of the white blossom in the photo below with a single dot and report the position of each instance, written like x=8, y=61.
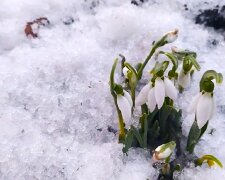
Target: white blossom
x=125, y=105
x=184, y=79
x=163, y=151
x=204, y=106
x=171, y=36
x=155, y=96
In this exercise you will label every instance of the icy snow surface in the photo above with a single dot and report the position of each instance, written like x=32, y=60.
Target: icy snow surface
x=55, y=105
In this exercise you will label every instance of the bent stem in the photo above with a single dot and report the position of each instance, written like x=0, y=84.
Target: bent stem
x=158, y=44
x=140, y=71
x=122, y=132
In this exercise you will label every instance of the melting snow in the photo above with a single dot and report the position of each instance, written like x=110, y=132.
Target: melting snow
x=55, y=104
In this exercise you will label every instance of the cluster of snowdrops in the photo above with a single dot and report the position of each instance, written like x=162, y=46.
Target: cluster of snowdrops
x=159, y=126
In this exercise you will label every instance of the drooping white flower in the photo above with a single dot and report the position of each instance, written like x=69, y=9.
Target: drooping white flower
x=171, y=36
x=204, y=106
x=159, y=92
x=184, y=79
x=153, y=96
x=170, y=89
x=143, y=95
x=125, y=104
x=163, y=151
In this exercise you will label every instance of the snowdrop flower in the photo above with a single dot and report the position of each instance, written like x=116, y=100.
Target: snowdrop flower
x=184, y=79
x=164, y=151
x=153, y=96
x=171, y=36
x=125, y=104
x=204, y=106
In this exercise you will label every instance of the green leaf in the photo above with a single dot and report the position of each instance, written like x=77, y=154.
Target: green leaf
x=164, y=113
x=194, y=135
x=128, y=141
x=138, y=136
x=145, y=134
x=112, y=77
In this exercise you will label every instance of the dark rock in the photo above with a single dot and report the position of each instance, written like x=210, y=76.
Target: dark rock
x=212, y=18
x=112, y=130
x=137, y=2
x=185, y=7
x=213, y=43
x=68, y=20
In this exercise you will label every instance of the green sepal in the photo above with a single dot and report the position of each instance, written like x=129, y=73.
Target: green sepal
x=209, y=76
x=118, y=89
x=194, y=62
x=159, y=68
x=187, y=65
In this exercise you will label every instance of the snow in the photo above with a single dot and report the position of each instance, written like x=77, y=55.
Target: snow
x=55, y=104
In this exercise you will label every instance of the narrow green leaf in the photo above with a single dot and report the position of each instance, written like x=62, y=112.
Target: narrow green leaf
x=145, y=135
x=193, y=137
x=128, y=141
x=164, y=113
x=138, y=136
x=112, y=77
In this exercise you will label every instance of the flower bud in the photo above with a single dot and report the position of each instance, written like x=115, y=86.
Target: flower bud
x=184, y=79
x=164, y=151
x=171, y=36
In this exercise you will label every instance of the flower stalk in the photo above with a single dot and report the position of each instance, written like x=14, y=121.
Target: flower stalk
x=122, y=132
x=167, y=38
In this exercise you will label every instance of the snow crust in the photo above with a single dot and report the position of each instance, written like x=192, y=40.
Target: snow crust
x=55, y=104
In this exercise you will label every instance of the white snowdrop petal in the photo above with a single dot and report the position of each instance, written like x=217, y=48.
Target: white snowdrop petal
x=159, y=147
x=125, y=71
x=170, y=89
x=184, y=79
x=159, y=92
x=127, y=95
x=124, y=107
x=171, y=36
x=165, y=153
x=143, y=95
x=151, y=100
x=193, y=105
x=204, y=109
x=213, y=108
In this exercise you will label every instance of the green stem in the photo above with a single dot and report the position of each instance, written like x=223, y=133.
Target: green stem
x=140, y=71
x=133, y=95
x=112, y=85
